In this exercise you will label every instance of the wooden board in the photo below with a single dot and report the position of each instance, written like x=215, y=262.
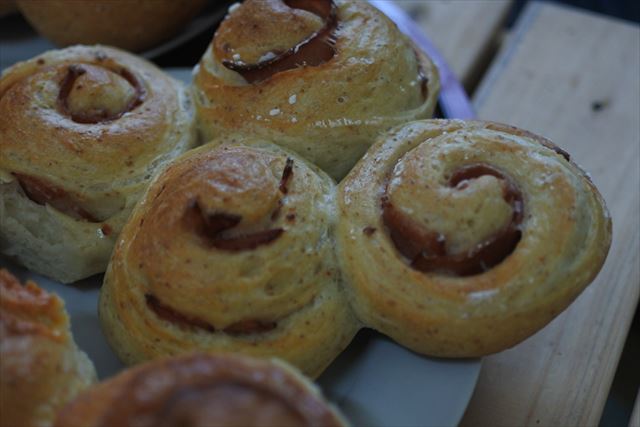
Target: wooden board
x=573, y=77
x=465, y=32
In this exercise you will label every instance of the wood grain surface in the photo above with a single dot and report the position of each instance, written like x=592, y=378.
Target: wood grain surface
x=465, y=32
x=572, y=77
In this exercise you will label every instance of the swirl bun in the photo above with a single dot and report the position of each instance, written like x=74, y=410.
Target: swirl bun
x=325, y=88
x=230, y=249
x=462, y=239
x=41, y=369
x=82, y=131
x=133, y=24
x=203, y=390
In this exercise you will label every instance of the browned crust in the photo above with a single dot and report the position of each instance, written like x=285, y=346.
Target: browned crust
x=120, y=400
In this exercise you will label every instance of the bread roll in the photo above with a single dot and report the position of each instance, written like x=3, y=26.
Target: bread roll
x=82, y=131
x=203, y=390
x=231, y=249
x=339, y=75
x=41, y=369
x=134, y=25
x=461, y=239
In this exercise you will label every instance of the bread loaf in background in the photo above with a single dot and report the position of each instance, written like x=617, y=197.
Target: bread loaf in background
x=134, y=25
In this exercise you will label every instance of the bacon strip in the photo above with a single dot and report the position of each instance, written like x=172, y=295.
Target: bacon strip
x=427, y=249
x=287, y=173
x=243, y=327
x=314, y=50
x=167, y=313
x=43, y=193
x=218, y=230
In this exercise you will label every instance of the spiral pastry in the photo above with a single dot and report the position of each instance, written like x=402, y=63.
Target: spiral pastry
x=132, y=24
x=82, y=130
x=203, y=390
x=230, y=249
x=325, y=88
x=461, y=239
x=41, y=369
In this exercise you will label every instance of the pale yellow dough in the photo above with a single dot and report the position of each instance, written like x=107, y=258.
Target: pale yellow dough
x=565, y=236
x=170, y=290
x=328, y=113
x=99, y=169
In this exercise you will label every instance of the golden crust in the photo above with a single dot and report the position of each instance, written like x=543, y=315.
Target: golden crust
x=230, y=249
x=204, y=390
x=83, y=129
x=41, y=368
x=564, y=225
x=134, y=25
x=30, y=310
x=256, y=28
x=328, y=113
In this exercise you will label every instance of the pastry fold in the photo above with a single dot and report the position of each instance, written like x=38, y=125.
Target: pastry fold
x=82, y=130
x=339, y=75
x=461, y=239
x=230, y=249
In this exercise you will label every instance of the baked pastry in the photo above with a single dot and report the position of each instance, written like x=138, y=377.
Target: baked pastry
x=134, y=25
x=339, y=75
x=82, y=130
x=460, y=239
x=203, y=390
x=41, y=369
x=231, y=249
x=7, y=7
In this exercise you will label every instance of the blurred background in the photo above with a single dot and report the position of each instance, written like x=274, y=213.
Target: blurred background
x=623, y=9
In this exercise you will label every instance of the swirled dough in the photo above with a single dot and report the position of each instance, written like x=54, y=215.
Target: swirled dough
x=82, y=130
x=340, y=75
x=461, y=239
x=231, y=249
x=204, y=390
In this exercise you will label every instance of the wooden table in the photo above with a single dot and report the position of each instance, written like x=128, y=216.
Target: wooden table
x=573, y=77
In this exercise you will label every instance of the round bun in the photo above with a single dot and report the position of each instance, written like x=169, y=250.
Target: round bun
x=203, y=390
x=82, y=129
x=461, y=239
x=7, y=7
x=134, y=25
x=326, y=88
x=230, y=249
x=41, y=369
